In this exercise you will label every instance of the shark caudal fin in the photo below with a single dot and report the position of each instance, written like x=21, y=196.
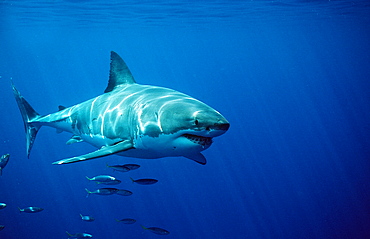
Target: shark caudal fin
x=28, y=115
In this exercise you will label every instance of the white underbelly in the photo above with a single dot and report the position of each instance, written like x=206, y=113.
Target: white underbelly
x=166, y=145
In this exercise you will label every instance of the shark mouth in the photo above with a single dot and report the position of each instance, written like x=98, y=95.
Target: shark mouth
x=204, y=141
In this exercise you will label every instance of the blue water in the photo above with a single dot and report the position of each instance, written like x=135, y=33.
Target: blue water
x=292, y=77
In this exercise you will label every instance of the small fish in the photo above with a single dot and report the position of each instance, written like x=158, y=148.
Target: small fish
x=87, y=218
x=102, y=178
x=1, y=227
x=127, y=220
x=31, y=209
x=124, y=192
x=131, y=166
x=156, y=230
x=79, y=235
x=120, y=168
x=113, y=182
x=144, y=181
x=2, y=205
x=102, y=191
x=3, y=161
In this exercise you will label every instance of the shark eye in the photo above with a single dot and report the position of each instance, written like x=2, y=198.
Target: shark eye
x=196, y=122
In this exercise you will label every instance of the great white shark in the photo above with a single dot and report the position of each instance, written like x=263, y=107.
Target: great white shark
x=132, y=120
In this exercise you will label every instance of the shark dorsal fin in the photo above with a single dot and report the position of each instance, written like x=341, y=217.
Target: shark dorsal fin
x=119, y=73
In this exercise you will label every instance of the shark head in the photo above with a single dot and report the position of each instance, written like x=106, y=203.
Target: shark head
x=193, y=119
x=183, y=126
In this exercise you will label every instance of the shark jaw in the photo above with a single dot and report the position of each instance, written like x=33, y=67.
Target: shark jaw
x=203, y=141
x=205, y=138
x=186, y=143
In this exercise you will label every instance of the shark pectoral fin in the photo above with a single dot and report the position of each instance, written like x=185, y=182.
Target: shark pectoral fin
x=199, y=158
x=104, y=151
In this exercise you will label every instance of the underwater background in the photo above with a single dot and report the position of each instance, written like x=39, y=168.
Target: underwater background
x=292, y=78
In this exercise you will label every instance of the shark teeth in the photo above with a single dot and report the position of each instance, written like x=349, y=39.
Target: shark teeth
x=199, y=139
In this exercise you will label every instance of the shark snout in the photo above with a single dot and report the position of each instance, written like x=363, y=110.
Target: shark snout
x=223, y=126
x=218, y=128
x=212, y=123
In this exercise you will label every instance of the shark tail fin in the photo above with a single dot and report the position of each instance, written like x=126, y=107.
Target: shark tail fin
x=28, y=115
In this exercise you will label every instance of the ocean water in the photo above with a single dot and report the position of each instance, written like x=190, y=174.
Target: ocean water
x=292, y=77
